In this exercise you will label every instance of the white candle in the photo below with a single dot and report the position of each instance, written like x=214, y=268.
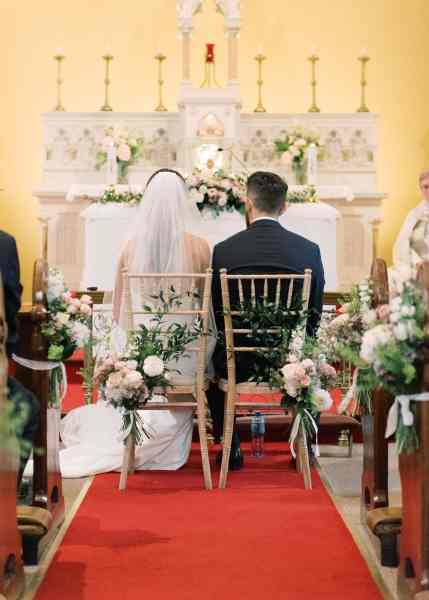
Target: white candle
x=259, y=48
x=364, y=53
x=59, y=52
x=313, y=51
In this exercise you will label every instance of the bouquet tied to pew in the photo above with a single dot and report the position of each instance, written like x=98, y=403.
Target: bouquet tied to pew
x=395, y=348
x=341, y=339
x=67, y=328
x=143, y=372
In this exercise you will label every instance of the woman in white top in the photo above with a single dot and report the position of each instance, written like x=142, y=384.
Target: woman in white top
x=160, y=242
x=412, y=244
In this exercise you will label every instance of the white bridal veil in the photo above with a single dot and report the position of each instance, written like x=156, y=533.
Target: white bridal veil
x=158, y=236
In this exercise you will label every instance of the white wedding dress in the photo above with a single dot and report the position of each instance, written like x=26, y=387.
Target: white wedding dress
x=91, y=435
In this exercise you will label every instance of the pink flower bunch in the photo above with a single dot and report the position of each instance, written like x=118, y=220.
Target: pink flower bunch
x=296, y=376
x=78, y=306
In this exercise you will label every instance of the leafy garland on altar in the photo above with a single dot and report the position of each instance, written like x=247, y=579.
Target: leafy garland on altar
x=216, y=193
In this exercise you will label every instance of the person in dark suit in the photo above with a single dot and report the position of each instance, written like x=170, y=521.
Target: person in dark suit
x=264, y=247
x=25, y=403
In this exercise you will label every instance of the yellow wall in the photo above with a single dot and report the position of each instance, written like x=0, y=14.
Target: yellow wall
x=394, y=31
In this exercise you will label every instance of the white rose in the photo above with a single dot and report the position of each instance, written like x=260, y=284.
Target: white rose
x=124, y=152
x=72, y=309
x=85, y=299
x=322, y=400
x=131, y=365
x=80, y=333
x=222, y=199
x=62, y=318
x=400, y=331
x=153, y=366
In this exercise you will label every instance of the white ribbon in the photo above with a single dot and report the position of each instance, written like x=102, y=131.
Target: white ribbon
x=295, y=430
x=402, y=405
x=44, y=365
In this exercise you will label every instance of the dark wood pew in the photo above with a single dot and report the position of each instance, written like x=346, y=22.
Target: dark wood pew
x=11, y=569
x=383, y=521
x=47, y=485
x=413, y=573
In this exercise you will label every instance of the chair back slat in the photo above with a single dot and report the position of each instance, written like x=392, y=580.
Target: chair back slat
x=3, y=358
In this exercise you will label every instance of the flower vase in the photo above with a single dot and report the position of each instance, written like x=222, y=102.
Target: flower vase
x=122, y=173
x=299, y=169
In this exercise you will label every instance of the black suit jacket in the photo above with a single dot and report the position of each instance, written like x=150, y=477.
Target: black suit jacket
x=266, y=246
x=10, y=272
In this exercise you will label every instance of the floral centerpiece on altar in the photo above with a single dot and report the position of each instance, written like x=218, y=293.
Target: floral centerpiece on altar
x=128, y=150
x=218, y=192
x=292, y=149
x=67, y=328
x=301, y=194
x=142, y=372
x=395, y=349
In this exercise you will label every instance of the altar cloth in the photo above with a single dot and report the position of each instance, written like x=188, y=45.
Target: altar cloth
x=107, y=227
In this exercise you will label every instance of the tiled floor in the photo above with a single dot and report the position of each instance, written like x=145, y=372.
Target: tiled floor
x=340, y=475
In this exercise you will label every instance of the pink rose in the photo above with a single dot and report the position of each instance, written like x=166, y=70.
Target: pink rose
x=305, y=381
x=72, y=309
x=85, y=299
x=85, y=309
x=383, y=312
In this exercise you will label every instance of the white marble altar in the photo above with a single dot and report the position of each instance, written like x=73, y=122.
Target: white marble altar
x=107, y=227
x=209, y=119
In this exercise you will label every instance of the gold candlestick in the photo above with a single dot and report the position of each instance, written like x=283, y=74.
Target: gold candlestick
x=45, y=234
x=313, y=59
x=59, y=57
x=160, y=58
x=364, y=59
x=106, y=106
x=260, y=82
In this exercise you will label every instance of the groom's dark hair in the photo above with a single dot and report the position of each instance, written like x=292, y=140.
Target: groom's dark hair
x=267, y=191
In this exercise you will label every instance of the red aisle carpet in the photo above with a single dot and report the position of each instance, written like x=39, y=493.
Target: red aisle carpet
x=165, y=538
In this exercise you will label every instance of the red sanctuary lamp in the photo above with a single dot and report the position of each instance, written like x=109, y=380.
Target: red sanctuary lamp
x=210, y=72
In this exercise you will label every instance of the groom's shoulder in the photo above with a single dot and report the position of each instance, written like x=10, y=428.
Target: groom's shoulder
x=233, y=240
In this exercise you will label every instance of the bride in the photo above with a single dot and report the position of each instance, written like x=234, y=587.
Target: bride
x=161, y=242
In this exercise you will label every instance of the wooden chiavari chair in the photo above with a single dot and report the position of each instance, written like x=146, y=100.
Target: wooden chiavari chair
x=194, y=387
x=279, y=289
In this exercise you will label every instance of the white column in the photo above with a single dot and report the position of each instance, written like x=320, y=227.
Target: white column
x=186, y=56
x=232, y=55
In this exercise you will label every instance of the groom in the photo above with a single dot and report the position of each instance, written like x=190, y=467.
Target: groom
x=264, y=247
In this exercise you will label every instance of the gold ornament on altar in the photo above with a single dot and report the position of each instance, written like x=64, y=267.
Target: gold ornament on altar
x=160, y=57
x=313, y=59
x=210, y=68
x=59, y=57
x=364, y=59
x=107, y=59
x=260, y=58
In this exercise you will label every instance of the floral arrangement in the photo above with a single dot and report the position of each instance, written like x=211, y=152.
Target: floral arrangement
x=306, y=378
x=112, y=194
x=144, y=370
x=67, y=328
x=218, y=192
x=69, y=318
x=393, y=347
x=292, y=149
x=128, y=149
x=341, y=338
x=302, y=194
